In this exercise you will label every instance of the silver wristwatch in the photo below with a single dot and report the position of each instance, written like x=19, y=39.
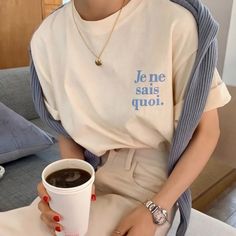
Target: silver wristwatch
x=159, y=215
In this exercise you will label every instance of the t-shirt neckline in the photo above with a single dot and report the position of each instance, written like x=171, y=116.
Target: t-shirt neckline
x=104, y=25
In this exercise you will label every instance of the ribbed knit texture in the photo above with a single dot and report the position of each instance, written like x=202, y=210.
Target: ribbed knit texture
x=194, y=103
x=195, y=96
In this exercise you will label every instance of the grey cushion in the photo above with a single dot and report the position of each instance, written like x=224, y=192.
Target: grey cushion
x=15, y=91
x=39, y=123
x=19, y=137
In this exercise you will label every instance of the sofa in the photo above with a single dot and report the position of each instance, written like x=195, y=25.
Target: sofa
x=18, y=185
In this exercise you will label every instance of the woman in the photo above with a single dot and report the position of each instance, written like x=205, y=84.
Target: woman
x=115, y=73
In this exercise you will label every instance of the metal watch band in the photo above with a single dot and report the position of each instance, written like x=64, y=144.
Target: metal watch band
x=153, y=208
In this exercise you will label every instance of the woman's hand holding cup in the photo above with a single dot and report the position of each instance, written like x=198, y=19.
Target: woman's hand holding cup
x=50, y=217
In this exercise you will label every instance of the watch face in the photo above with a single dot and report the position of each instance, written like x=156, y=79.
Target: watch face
x=159, y=217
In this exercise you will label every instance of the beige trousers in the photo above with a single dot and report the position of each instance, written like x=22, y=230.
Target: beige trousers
x=126, y=179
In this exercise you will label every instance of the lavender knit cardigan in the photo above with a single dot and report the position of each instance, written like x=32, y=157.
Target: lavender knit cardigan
x=194, y=103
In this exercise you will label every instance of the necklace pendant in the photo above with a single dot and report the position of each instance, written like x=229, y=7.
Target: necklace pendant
x=98, y=62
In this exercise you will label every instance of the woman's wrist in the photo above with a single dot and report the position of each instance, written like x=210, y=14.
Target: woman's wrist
x=162, y=202
x=70, y=149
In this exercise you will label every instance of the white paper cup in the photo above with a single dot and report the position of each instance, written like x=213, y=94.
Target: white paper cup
x=73, y=204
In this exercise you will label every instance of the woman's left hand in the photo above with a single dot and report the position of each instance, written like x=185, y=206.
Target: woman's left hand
x=138, y=222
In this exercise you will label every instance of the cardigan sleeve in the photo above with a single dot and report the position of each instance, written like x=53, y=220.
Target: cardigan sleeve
x=218, y=95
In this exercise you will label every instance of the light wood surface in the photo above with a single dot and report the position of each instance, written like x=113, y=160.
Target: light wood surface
x=49, y=6
x=18, y=20
x=225, y=151
x=203, y=201
x=48, y=9
x=220, y=171
x=213, y=180
x=55, y=2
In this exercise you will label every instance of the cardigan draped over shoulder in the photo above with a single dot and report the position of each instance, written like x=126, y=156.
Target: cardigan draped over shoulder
x=195, y=99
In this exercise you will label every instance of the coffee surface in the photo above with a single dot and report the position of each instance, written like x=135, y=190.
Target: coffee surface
x=68, y=178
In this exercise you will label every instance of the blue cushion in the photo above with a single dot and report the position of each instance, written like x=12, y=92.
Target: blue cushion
x=19, y=137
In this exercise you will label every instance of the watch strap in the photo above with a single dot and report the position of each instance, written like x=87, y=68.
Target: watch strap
x=152, y=207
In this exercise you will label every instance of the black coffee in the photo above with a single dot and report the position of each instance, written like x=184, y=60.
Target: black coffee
x=68, y=178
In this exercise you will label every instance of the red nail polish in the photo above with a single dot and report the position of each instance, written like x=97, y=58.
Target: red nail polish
x=93, y=197
x=56, y=218
x=58, y=229
x=45, y=198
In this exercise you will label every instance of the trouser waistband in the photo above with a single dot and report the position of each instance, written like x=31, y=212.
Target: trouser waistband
x=149, y=156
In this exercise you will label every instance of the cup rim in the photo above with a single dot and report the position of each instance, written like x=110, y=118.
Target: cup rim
x=71, y=189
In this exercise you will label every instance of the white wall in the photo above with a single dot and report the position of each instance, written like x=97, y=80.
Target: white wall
x=225, y=13
x=221, y=11
x=229, y=72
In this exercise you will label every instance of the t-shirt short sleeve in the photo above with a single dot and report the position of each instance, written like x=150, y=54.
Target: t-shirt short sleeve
x=43, y=75
x=54, y=113
x=218, y=95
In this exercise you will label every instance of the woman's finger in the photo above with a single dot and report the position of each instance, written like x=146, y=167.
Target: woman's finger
x=48, y=212
x=51, y=225
x=122, y=229
x=93, y=196
x=132, y=232
x=43, y=193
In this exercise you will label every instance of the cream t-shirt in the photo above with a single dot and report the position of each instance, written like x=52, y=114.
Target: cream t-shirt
x=134, y=100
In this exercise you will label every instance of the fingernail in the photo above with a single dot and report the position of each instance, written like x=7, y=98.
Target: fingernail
x=56, y=218
x=45, y=198
x=93, y=197
x=58, y=228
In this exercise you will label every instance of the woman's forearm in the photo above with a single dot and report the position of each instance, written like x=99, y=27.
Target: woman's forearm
x=191, y=163
x=69, y=148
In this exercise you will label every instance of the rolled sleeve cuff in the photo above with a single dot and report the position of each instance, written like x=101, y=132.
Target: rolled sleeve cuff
x=218, y=97
x=54, y=113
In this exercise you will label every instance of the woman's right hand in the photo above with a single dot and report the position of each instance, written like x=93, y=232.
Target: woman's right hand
x=48, y=216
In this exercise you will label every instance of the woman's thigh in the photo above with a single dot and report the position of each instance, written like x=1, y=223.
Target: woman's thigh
x=106, y=213
x=120, y=188
x=108, y=210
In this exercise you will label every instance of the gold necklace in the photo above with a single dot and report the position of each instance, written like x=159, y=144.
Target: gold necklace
x=98, y=60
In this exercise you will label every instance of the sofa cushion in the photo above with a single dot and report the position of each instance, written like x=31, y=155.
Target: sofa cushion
x=39, y=123
x=15, y=91
x=19, y=137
